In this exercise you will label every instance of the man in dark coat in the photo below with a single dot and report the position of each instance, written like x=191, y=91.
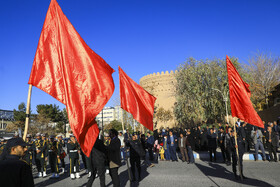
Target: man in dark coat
x=241, y=149
x=190, y=138
x=136, y=152
x=212, y=144
x=203, y=140
x=98, y=158
x=227, y=143
x=150, y=145
x=271, y=142
x=221, y=142
x=13, y=170
x=114, y=155
x=248, y=140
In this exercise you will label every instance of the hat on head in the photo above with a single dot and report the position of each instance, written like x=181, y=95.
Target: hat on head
x=59, y=135
x=15, y=142
x=134, y=133
x=43, y=135
x=106, y=134
x=28, y=136
x=71, y=135
x=38, y=134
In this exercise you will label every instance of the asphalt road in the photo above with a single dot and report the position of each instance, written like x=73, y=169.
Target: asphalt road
x=173, y=174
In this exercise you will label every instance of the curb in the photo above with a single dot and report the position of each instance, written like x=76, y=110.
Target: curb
x=246, y=156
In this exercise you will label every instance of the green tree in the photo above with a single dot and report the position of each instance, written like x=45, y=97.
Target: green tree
x=19, y=116
x=196, y=98
x=115, y=124
x=50, y=119
x=60, y=127
x=51, y=111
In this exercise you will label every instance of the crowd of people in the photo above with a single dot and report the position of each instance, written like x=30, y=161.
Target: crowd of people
x=113, y=149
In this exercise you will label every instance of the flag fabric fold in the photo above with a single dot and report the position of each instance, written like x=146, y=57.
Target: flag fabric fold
x=241, y=105
x=67, y=69
x=136, y=100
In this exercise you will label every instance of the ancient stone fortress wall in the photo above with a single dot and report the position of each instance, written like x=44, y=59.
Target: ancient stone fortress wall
x=163, y=87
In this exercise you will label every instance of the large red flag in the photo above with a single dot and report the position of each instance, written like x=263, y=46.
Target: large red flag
x=67, y=69
x=136, y=100
x=241, y=105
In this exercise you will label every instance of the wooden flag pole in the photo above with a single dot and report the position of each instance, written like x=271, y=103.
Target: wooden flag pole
x=237, y=153
x=27, y=112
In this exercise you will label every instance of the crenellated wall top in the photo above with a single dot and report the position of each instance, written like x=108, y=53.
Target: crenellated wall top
x=159, y=74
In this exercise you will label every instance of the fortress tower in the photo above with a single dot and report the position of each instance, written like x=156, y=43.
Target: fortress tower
x=163, y=87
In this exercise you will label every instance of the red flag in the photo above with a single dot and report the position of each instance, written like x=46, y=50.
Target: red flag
x=67, y=69
x=136, y=100
x=241, y=105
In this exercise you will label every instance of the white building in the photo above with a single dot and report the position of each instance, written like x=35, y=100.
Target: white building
x=109, y=114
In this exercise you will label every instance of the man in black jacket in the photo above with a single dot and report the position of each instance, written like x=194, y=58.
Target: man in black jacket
x=13, y=170
x=114, y=156
x=221, y=143
x=212, y=144
x=271, y=142
x=241, y=149
x=98, y=158
x=136, y=152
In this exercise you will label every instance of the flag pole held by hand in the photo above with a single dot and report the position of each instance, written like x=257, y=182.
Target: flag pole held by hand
x=27, y=112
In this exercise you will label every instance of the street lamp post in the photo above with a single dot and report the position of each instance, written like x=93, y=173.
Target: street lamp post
x=225, y=99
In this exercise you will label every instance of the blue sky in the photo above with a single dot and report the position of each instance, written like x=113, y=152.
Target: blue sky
x=142, y=36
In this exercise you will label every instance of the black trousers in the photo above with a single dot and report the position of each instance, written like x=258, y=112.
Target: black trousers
x=115, y=176
x=234, y=162
x=53, y=162
x=84, y=160
x=272, y=149
x=100, y=170
x=89, y=165
x=151, y=155
x=247, y=144
x=212, y=150
x=135, y=161
x=228, y=154
x=40, y=164
x=74, y=161
x=223, y=150
x=62, y=163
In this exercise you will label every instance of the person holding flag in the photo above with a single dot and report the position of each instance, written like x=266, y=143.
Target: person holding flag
x=237, y=155
x=241, y=107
